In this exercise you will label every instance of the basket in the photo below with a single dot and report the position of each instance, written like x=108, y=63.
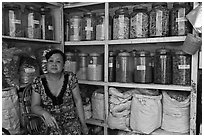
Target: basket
x=191, y=44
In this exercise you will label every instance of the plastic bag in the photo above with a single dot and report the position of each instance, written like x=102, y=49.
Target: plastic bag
x=146, y=113
x=176, y=115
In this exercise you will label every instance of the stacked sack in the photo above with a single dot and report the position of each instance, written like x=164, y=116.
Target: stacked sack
x=146, y=111
x=119, y=109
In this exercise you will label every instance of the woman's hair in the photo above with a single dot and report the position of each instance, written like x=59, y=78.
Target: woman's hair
x=55, y=51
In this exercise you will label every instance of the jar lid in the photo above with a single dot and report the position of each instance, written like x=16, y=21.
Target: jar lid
x=12, y=6
x=94, y=54
x=122, y=10
x=124, y=54
x=180, y=52
x=163, y=51
x=159, y=4
x=111, y=53
x=143, y=53
x=31, y=7
x=82, y=54
x=139, y=7
x=69, y=54
x=133, y=52
x=89, y=14
x=43, y=9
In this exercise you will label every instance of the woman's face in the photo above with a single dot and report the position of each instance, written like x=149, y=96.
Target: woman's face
x=55, y=64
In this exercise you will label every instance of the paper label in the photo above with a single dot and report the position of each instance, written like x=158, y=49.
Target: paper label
x=110, y=65
x=141, y=67
x=183, y=66
x=29, y=70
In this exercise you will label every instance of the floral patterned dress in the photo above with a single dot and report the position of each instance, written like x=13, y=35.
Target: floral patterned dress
x=61, y=107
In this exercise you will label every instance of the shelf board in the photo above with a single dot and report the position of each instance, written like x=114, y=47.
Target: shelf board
x=100, y=83
x=31, y=40
x=67, y=43
x=151, y=86
x=148, y=40
x=95, y=122
x=163, y=132
x=80, y=4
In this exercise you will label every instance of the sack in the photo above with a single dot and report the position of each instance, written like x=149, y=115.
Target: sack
x=10, y=111
x=87, y=111
x=146, y=113
x=121, y=123
x=120, y=107
x=176, y=115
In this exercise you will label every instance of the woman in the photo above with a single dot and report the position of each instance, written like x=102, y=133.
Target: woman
x=55, y=96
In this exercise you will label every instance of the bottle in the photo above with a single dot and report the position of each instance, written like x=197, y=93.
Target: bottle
x=111, y=66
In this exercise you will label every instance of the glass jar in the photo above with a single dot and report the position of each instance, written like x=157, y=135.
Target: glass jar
x=179, y=24
x=75, y=28
x=47, y=24
x=121, y=24
x=100, y=27
x=181, y=68
x=163, y=66
x=139, y=22
x=111, y=66
x=13, y=20
x=70, y=63
x=159, y=20
x=143, y=68
x=32, y=22
x=89, y=26
x=95, y=67
x=83, y=64
x=124, y=67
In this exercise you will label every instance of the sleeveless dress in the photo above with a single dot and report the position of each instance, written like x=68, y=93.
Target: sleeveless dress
x=61, y=107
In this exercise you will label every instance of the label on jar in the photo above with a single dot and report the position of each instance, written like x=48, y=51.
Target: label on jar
x=29, y=70
x=110, y=65
x=181, y=21
x=139, y=24
x=36, y=22
x=50, y=27
x=88, y=29
x=183, y=66
x=141, y=67
x=12, y=26
x=100, y=35
x=121, y=25
x=159, y=21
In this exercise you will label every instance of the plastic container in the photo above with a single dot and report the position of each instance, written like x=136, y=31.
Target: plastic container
x=124, y=67
x=12, y=20
x=75, y=28
x=83, y=64
x=163, y=66
x=179, y=24
x=89, y=26
x=143, y=68
x=139, y=22
x=159, y=20
x=32, y=22
x=95, y=67
x=121, y=24
x=111, y=66
x=70, y=63
x=181, y=68
x=47, y=24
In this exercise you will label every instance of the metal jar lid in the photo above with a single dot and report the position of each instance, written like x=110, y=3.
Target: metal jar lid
x=122, y=10
x=163, y=51
x=124, y=54
x=143, y=53
x=139, y=7
x=83, y=54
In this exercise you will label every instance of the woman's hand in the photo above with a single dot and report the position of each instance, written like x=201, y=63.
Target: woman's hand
x=50, y=120
x=85, y=129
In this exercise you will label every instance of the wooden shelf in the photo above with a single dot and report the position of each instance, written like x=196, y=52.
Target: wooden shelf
x=80, y=4
x=95, y=122
x=88, y=43
x=100, y=83
x=151, y=86
x=30, y=40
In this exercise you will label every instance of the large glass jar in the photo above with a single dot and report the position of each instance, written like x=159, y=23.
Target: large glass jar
x=47, y=24
x=121, y=24
x=163, y=66
x=89, y=26
x=111, y=66
x=179, y=24
x=100, y=27
x=143, y=68
x=75, y=28
x=139, y=22
x=181, y=68
x=95, y=67
x=32, y=22
x=159, y=20
x=83, y=64
x=124, y=67
x=70, y=63
x=12, y=20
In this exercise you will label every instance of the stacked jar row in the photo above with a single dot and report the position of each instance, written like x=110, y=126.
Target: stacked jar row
x=165, y=67
x=159, y=22
x=35, y=23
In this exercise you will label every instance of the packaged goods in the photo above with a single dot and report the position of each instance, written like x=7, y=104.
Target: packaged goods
x=159, y=20
x=176, y=114
x=139, y=22
x=121, y=24
x=98, y=104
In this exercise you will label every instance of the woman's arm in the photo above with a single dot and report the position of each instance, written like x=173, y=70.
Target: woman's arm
x=79, y=107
